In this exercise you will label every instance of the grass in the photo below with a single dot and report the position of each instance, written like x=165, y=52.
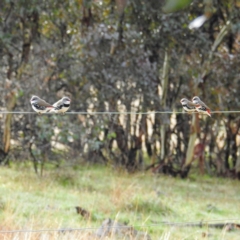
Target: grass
x=142, y=200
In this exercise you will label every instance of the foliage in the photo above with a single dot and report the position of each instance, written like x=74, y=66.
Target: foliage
x=172, y=6
x=109, y=56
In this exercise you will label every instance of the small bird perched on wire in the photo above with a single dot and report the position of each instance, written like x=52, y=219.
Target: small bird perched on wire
x=202, y=107
x=188, y=106
x=61, y=106
x=39, y=105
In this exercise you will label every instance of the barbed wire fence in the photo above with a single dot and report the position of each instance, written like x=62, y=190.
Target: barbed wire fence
x=176, y=224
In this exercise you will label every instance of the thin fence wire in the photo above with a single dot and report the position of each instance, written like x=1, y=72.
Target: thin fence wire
x=177, y=224
x=118, y=113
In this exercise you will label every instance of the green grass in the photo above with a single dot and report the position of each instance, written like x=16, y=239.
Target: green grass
x=142, y=200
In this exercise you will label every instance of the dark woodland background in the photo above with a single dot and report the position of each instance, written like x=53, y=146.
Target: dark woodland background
x=121, y=55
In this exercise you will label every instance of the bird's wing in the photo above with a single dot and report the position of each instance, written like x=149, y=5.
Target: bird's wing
x=203, y=104
x=44, y=103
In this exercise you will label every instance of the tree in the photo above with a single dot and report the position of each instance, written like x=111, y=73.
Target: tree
x=116, y=56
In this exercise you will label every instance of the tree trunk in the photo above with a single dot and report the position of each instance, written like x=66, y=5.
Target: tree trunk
x=191, y=143
x=165, y=117
x=237, y=166
x=11, y=102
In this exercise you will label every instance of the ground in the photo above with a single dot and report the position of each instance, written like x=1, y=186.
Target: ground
x=143, y=200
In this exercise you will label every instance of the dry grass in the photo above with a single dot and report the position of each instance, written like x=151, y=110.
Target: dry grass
x=141, y=200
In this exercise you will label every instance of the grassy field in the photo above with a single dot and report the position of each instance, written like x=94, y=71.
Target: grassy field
x=142, y=200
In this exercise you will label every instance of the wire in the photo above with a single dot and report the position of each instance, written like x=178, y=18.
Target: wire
x=118, y=113
x=201, y=223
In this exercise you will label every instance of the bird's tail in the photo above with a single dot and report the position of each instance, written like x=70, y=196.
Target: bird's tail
x=209, y=112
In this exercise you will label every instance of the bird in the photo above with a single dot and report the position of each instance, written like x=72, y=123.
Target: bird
x=187, y=105
x=86, y=214
x=201, y=106
x=61, y=106
x=39, y=105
